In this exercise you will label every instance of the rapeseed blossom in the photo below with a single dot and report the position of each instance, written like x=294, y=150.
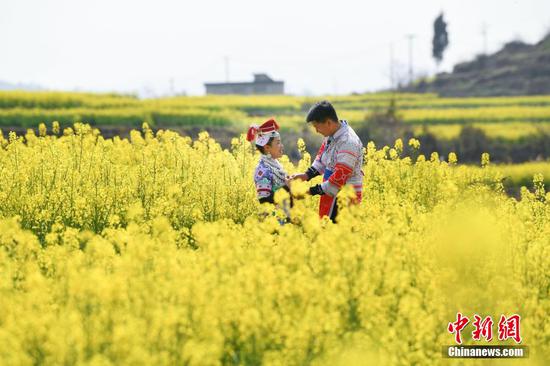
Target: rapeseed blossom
x=154, y=250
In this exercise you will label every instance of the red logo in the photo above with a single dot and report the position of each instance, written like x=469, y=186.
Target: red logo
x=457, y=327
x=508, y=327
x=484, y=328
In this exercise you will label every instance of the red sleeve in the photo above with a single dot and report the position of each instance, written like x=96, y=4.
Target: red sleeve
x=340, y=175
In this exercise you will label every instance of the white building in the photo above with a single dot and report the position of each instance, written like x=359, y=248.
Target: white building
x=262, y=84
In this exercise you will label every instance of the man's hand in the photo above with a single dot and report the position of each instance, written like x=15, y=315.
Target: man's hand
x=301, y=176
x=316, y=190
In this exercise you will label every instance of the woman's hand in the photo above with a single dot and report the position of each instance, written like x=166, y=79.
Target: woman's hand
x=301, y=176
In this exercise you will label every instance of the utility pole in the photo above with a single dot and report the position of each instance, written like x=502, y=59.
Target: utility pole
x=226, y=59
x=172, y=89
x=392, y=72
x=411, y=37
x=484, y=32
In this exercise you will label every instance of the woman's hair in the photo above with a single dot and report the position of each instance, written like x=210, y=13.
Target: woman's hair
x=261, y=148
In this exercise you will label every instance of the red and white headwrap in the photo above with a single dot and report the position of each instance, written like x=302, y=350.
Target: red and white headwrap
x=263, y=133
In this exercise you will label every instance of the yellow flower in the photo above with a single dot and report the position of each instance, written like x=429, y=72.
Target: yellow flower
x=42, y=130
x=414, y=144
x=55, y=127
x=399, y=146
x=452, y=158
x=299, y=188
x=301, y=146
x=485, y=159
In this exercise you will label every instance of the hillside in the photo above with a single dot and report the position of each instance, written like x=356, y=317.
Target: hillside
x=517, y=69
x=4, y=85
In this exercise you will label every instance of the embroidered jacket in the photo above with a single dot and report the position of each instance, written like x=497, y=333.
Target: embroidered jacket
x=339, y=160
x=268, y=178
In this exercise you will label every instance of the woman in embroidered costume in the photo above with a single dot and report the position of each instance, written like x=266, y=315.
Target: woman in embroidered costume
x=269, y=175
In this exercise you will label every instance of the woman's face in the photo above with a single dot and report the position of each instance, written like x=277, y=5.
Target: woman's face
x=275, y=148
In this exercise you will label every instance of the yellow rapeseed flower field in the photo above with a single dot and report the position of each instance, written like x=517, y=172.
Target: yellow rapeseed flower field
x=153, y=250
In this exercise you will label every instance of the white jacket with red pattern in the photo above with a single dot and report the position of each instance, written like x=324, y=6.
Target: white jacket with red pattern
x=340, y=160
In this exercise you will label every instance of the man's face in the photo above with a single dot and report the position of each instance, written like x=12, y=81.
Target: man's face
x=322, y=127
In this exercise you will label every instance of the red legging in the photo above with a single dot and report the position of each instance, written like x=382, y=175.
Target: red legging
x=328, y=205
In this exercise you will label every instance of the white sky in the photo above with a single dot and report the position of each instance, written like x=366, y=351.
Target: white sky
x=316, y=47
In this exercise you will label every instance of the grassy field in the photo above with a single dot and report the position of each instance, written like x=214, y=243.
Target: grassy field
x=498, y=117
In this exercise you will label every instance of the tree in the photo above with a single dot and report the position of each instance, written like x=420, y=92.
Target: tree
x=471, y=143
x=384, y=126
x=441, y=39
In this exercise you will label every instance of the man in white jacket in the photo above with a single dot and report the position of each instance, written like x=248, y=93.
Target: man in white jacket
x=339, y=159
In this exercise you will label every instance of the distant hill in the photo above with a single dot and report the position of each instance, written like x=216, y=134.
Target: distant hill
x=517, y=69
x=9, y=86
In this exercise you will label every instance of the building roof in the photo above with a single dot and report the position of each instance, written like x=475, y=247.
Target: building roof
x=258, y=79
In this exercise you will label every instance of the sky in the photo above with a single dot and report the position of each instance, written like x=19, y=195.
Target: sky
x=156, y=48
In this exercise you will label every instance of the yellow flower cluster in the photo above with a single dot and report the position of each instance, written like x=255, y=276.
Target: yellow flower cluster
x=481, y=114
x=150, y=251
x=509, y=131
